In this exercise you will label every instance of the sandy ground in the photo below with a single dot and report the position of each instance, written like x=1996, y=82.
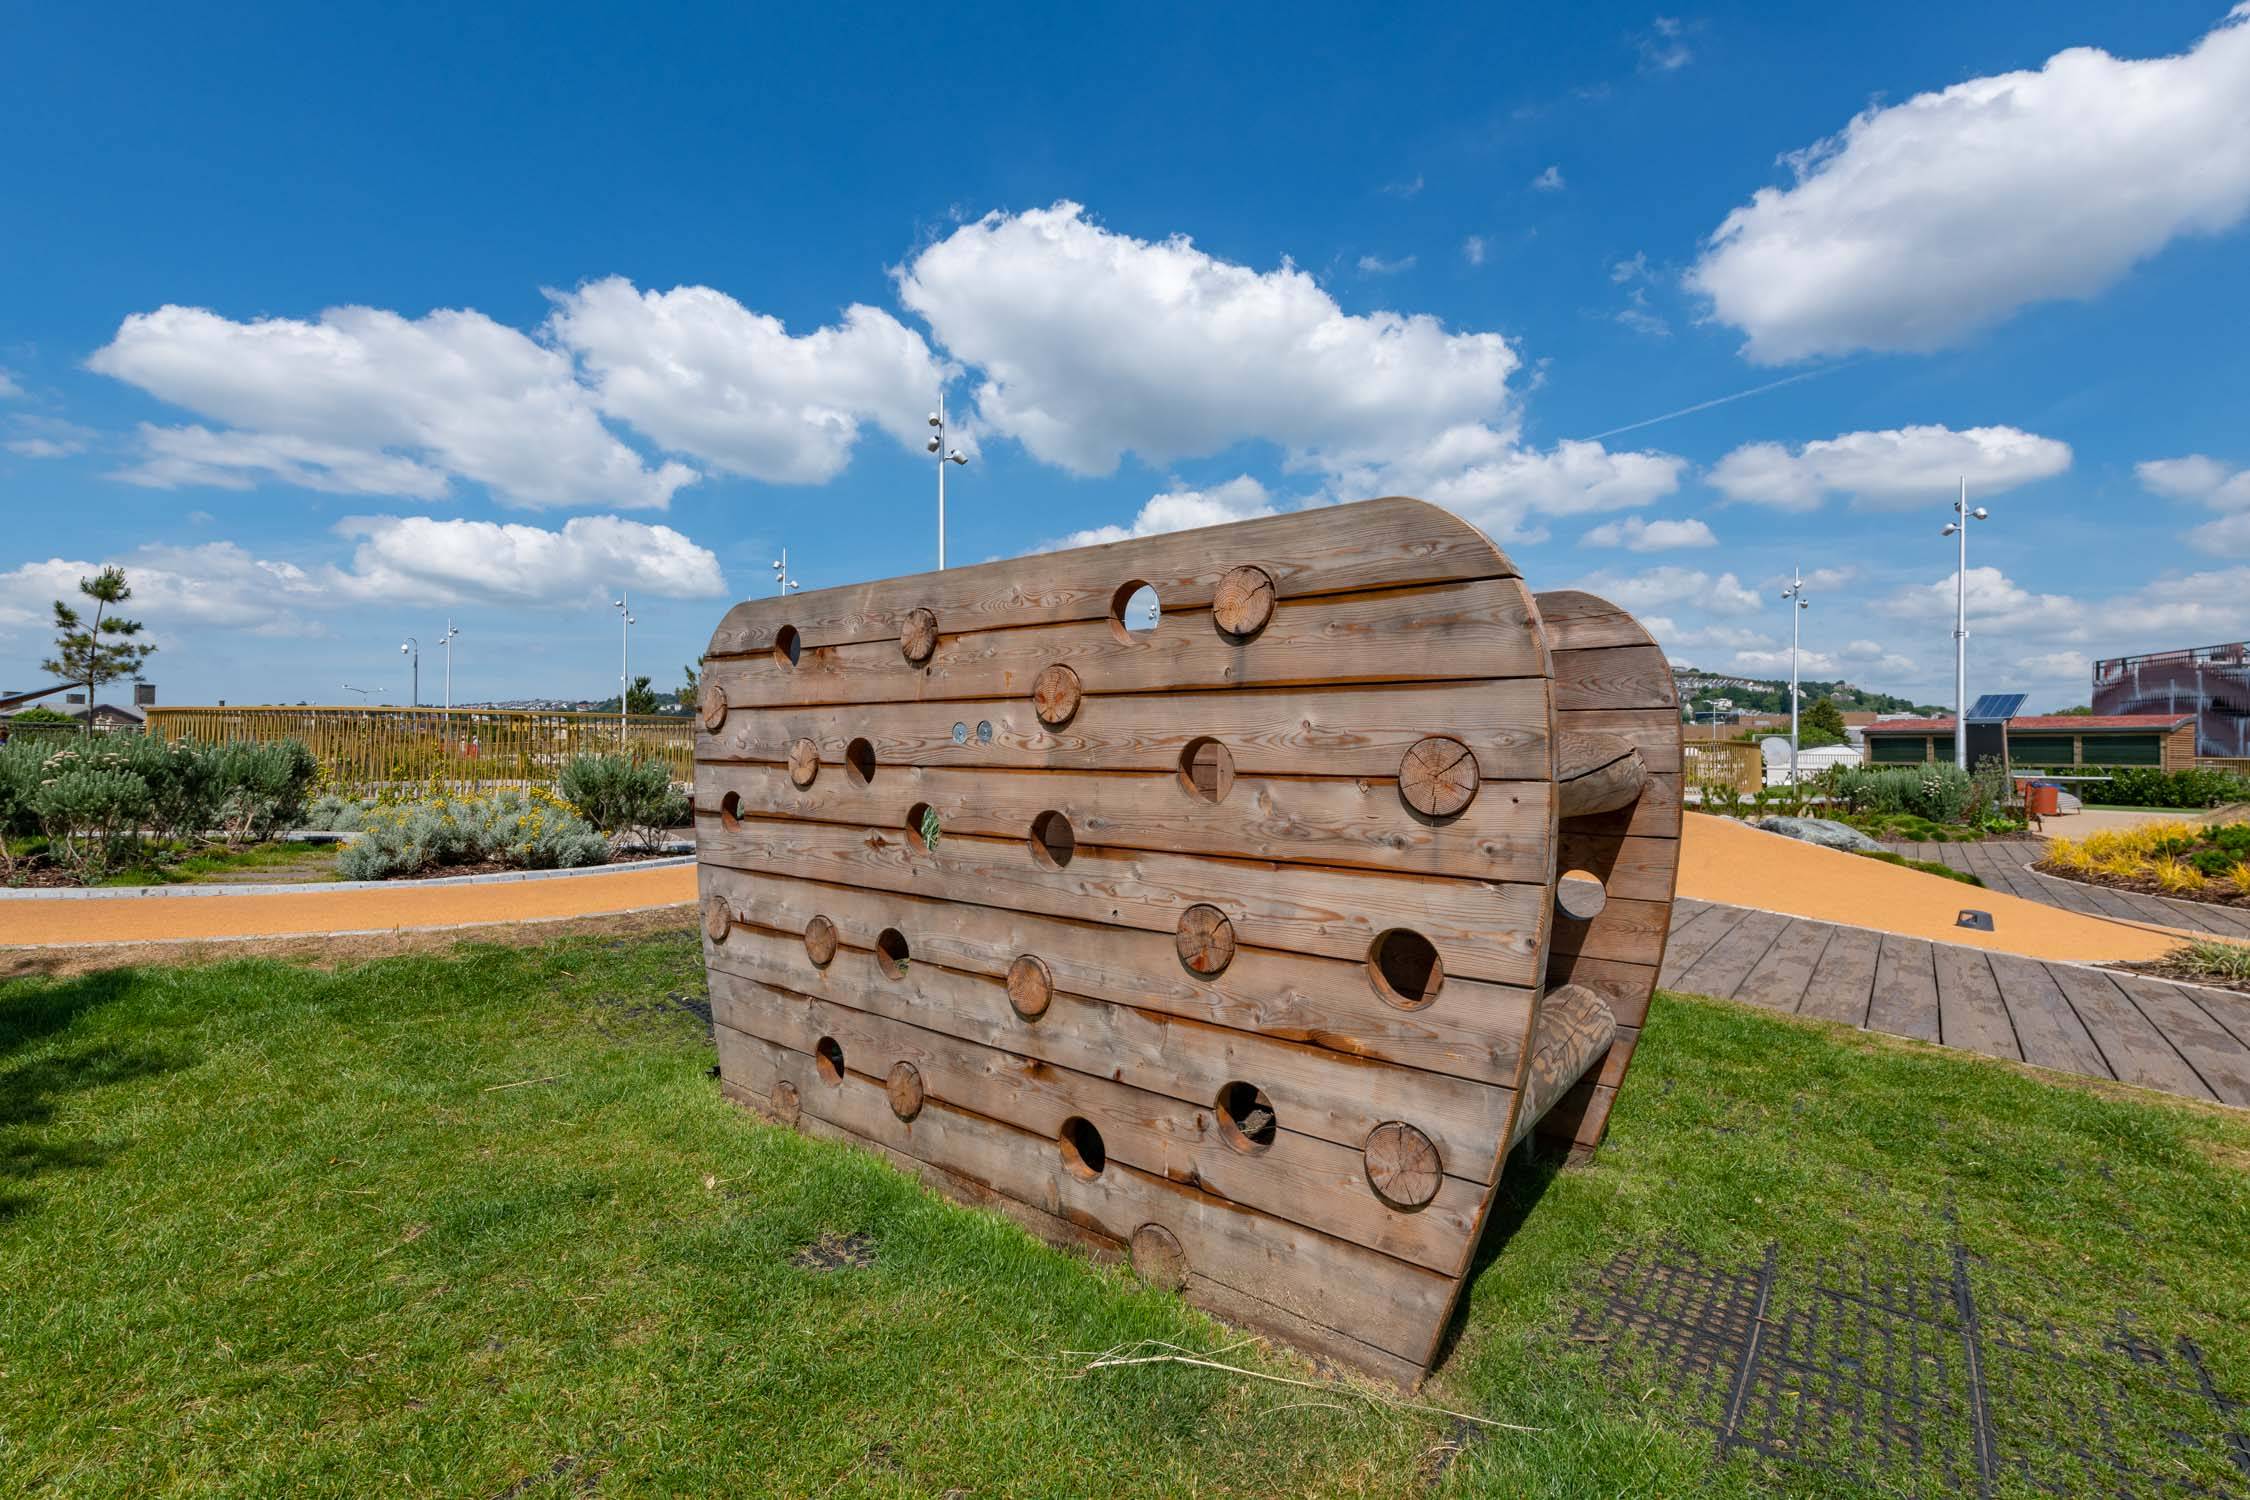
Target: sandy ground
x=161, y=919
x=1723, y=860
x=2077, y=825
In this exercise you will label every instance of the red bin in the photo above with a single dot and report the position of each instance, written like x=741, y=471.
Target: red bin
x=2042, y=799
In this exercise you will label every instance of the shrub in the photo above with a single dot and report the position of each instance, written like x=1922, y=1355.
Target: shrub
x=621, y=795
x=529, y=830
x=2149, y=786
x=261, y=787
x=91, y=809
x=330, y=813
x=1940, y=793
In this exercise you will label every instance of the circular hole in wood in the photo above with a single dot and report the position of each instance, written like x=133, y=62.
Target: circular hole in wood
x=1402, y=1165
x=1207, y=769
x=786, y=647
x=922, y=828
x=717, y=920
x=1405, y=967
x=1135, y=612
x=1158, y=1258
x=820, y=941
x=730, y=810
x=1438, y=777
x=1243, y=602
x=804, y=762
x=917, y=638
x=891, y=954
x=859, y=762
x=714, y=707
x=1054, y=696
x=1204, y=940
x=1031, y=986
x=1081, y=1146
x=1052, y=841
x=905, y=1089
x=785, y=1102
x=1246, y=1117
x=1581, y=894
x=828, y=1060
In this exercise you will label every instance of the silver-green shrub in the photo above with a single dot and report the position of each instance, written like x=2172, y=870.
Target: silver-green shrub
x=529, y=830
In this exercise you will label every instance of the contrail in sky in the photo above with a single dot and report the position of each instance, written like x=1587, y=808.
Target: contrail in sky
x=1756, y=390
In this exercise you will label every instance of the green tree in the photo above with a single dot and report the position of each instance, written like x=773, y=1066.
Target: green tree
x=640, y=698
x=693, y=687
x=103, y=649
x=1821, y=724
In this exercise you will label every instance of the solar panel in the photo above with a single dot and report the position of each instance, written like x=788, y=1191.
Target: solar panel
x=1998, y=706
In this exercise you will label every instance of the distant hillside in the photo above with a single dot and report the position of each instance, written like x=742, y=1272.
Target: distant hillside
x=1771, y=695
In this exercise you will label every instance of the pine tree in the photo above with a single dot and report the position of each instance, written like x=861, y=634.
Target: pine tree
x=103, y=650
x=1821, y=724
x=640, y=698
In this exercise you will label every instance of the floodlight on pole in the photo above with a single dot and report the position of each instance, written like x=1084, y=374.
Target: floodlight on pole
x=412, y=648
x=1960, y=529
x=1796, y=593
x=625, y=624
x=945, y=456
x=446, y=640
x=782, y=582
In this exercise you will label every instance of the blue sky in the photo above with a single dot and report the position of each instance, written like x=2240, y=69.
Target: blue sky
x=334, y=327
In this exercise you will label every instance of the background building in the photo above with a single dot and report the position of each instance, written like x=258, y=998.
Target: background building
x=2210, y=682
x=2047, y=741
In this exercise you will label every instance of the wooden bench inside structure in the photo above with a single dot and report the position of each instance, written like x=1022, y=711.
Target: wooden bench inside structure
x=1199, y=899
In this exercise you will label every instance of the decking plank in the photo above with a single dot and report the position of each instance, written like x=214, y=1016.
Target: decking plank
x=2047, y=1029
x=2219, y=1059
x=1693, y=938
x=2225, y=1007
x=1843, y=983
x=1971, y=1014
x=2136, y=1051
x=1905, y=999
x=1779, y=980
x=1728, y=962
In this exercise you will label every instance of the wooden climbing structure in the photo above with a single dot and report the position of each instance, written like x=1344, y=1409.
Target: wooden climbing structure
x=1199, y=899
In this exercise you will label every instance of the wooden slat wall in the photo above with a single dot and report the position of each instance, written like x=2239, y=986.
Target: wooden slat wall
x=1610, y=676
x=867, y=791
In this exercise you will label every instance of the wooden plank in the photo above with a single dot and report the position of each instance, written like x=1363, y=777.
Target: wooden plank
x=1625, y=987
x=1655, y=732
x=1366, y=1297
x=1482, y=930
x=1656, y=814
x=1779, y=980
x=1615, y=678
x=2066, y=894
x=2229, y=1009
x=1503, y=834
x=1459, y=630
x=1693, y=938
x=1334, y=731
x=1324, y=1094
x=1379, y=544
x=1629, y=931
x=2136, y=1051
x=1303, y=1178
x=1471, y=1029
x=1729, y=961
x=1970, y=1012
x=1577, y=621
x=1842, y=987
x=2047, y=1029
x=1905, y=1001
x=1632, y=869
x=2219, y=1059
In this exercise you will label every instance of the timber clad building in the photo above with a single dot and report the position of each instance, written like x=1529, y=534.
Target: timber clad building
x=2052, y=741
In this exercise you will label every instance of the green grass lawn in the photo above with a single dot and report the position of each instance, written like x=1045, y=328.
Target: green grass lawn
x=258, y=862
x=479, y=1225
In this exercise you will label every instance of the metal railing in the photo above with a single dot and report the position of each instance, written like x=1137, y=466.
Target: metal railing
x=365, y=750
x=1724, y=763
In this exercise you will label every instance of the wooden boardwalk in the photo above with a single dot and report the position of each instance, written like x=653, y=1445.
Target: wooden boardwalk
x=2004, y=865
x=2181, y=1039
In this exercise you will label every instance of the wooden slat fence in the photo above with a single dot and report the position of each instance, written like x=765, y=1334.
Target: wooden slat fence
x=364, y=750
x=1724, y=764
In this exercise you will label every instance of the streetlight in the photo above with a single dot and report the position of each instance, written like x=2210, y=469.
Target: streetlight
x=782, y=582
x=625, y=623
x=413, y=648
x=363, y=693
x=1795, y=591
x=446, y=640
x=1960, y=529
x=945, y=455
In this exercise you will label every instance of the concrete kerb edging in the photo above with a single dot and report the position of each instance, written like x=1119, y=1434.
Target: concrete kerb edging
x=329, y=887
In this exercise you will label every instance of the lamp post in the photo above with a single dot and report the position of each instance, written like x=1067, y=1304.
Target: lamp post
x=446, y=640
x=945, y=456
x=1795, y=592
x=1960, y=528
x=782, y=582
x=413, y=648
x=625, y=623
x=363, y=693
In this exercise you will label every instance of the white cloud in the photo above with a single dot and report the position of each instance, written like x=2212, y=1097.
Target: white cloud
x=1549, y=181
x=1636, y=535
x=1992, y=595
x=217, y=584
x=447, y=561
x=452, y=391
x=2049, y=666
x=1094, y=344
x=1405, y=189
x=236, y=460
x=1635, y=269
x=40, y=448
x=1484, y=476
x=1809, y=662
x=1637, y=315
x=1662, y=47
x=1925, y=221
x=2196, y=477
x=703, y=375
x=1239, y=499
x=1375, y=265
x=10, y=387
x=1671, y=587
x=1474, y=249
x=1894, y=468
